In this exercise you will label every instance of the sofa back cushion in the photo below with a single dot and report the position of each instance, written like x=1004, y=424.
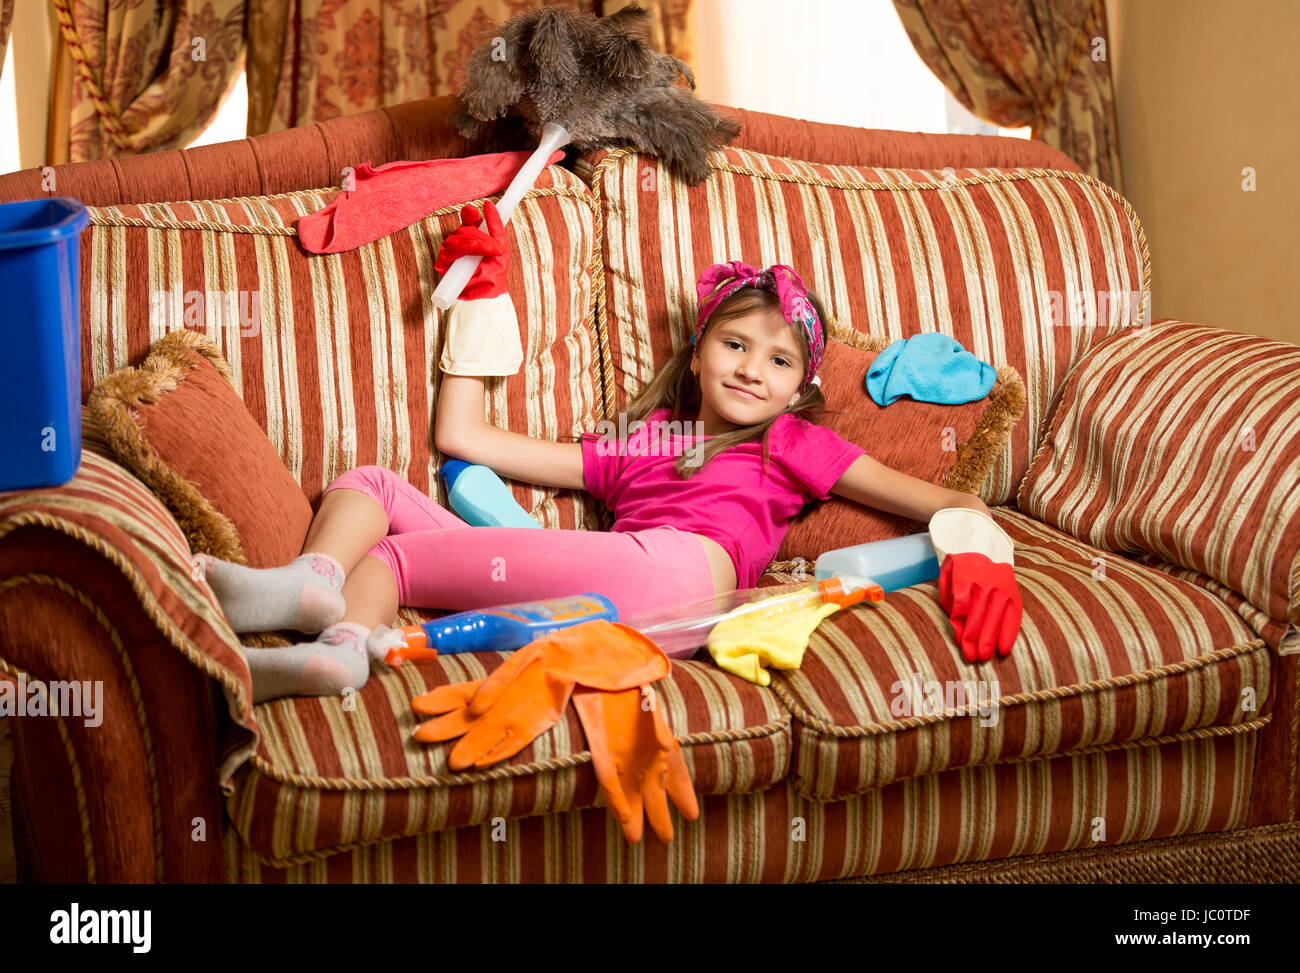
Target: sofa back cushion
x=1024, y=267
x=335, y=355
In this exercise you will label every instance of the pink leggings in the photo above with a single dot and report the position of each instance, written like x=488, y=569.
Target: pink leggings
x=439, y=561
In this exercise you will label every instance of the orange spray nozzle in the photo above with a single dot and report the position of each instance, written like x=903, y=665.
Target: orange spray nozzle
x=416, y=647
x=835, y=590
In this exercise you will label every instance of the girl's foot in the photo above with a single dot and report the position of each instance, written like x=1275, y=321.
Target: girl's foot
x=305, y=594
x=337, y=661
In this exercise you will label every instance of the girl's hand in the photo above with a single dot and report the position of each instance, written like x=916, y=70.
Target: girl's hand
x=489, y=279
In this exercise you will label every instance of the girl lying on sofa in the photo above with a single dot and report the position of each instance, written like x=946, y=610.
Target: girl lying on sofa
x=702, y=518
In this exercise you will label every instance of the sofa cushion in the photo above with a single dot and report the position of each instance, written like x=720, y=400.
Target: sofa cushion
x=963, y=441
x=326, y=778
x=177, y=423
x=335, y=355
x=1110, y=653
x=1192, y=456
x=1007, y=262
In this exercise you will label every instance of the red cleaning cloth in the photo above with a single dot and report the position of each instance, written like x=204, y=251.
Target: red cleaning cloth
x=391, y=197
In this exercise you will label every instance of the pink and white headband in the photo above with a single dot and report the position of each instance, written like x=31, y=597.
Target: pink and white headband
x=722, y=280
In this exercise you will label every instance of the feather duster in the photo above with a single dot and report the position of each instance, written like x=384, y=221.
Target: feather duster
x=599, y=79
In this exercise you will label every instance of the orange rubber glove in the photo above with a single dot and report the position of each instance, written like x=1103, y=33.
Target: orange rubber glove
x=527, y=694
x=637, y=759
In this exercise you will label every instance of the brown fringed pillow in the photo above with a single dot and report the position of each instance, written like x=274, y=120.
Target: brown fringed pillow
x=178, y=424
x=954, y=446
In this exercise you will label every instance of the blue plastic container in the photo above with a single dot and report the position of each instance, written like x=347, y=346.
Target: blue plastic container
x=40, y=341
x=480, y=498
x=897, y=562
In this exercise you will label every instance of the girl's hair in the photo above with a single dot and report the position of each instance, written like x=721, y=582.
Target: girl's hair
x=677, y=389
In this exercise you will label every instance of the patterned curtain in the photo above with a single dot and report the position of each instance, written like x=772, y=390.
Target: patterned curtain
x=147, y=74
x=1027, y=62
x=310, y=60
x=6, y=18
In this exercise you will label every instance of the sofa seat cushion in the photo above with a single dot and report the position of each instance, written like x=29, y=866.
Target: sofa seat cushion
x=1023, y=267
x=326, y=777
x=336, y=355
x=1112, y=653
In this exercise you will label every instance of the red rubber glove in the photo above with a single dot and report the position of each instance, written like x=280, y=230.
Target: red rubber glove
x=468, y=239
x=982, y=600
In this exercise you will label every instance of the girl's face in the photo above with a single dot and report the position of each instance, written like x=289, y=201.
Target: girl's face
x=749, y=368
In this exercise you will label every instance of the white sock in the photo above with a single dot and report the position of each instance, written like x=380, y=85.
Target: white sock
x=338, y=660
x=305, y=594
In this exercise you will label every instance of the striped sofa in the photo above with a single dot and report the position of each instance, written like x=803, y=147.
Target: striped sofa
x=1144, y=729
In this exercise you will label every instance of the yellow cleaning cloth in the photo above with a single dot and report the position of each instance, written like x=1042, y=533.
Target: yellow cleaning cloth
x=743, y=644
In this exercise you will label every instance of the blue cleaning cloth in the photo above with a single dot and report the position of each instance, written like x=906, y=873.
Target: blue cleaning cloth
x=931, y=367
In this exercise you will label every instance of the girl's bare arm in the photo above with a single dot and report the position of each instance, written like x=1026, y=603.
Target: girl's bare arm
x=876, y=485
x=461, y=431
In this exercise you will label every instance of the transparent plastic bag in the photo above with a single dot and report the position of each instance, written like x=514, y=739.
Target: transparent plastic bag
x=681, y=630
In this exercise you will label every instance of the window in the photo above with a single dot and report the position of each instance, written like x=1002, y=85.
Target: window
x=231, y=120
x=847, y=62
x=9, y=158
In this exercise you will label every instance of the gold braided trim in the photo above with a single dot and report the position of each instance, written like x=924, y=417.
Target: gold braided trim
x=800, y=712
x=108, y=114
x=313, y=782
x=1063, y=77
x=607, y=397
x=235, y=689
x=1180, y=736
x=109, y=215
x=87, y=841
x=141, y=717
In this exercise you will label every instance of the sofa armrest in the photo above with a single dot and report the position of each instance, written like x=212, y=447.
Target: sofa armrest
x=103, y=622
x=1183, y=441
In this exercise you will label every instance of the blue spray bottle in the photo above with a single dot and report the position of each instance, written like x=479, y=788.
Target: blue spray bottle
x=500, y=629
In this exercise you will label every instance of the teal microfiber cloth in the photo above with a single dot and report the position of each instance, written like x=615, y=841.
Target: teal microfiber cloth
x=931, y=367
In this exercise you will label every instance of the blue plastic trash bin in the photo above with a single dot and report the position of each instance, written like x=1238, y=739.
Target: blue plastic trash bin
x=40, y=341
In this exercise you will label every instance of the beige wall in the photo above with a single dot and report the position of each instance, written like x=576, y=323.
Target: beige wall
x=1205, y=89
x=32, y=36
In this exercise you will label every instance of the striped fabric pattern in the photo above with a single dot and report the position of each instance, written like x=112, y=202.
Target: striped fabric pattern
x=110, y=510
x=1110, y=653
x=1192, y=456
x=326, y=778
x=335, y=355
x=1024, y=267
x=1094, y=800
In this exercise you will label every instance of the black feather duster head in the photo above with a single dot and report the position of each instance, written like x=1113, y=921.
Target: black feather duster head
x=599, y=79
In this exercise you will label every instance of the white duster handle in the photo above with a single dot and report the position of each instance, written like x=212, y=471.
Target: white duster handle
x=458, y=274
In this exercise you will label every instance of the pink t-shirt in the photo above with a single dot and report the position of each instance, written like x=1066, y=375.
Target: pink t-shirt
x=731, y=499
